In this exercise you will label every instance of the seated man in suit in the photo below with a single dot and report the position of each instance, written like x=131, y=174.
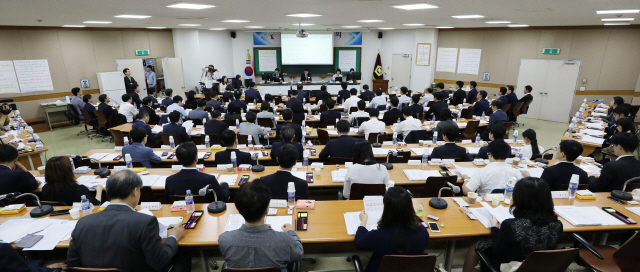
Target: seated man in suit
x=230, y=140
x=256, y=244
x=305, y=77
x=366, y=94
x=352, y=101
x=104, y=106
x=252, y=92
x=358, y=114
x=373, y=125
x=496, y=174
x=498, y=117
x=265, y=113
x=215, y=126
x=562, y=171
x=181, y=135
x=90, y=108
x=199, y=113
x=496, y=133
x=472, y=96
x=277, y=76
x=189, y=178
x=330, y=114
x=238, y=102
x=625, y=167
x=444, y=94
x=177, y=106
x=137, y=150
x=143, y=118
x=511, y=97
x=342, y=147
x=459, y=95
x=293, y=99
x=167, y=100
x=344, y=93
x=503, y=96
x=135, y=95
x=76, y=101
x=278, y=181
x=119, y=237
x=302, y=95
x=214, y=103
x=404, y=98
x=416, y=107
x=526, y=98
x=393, y=113
x=237, y=83
x=288, y=135
x=437, y=107
x=481, y=106
x=147, y=106
x=233, y=113
x=287, y=116
x=378, y=101
x=15, y=177
x=251, y=128
x=127, y=108
x=151, y=94
x=450, y=150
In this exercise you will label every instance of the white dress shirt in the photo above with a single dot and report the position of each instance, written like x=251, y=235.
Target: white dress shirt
x=372, y=126
x=351, y=102
x=408, y=125
x=364, y=174
x=175, y=107
x=128, y=111
x=493, y=176
x=527, y=152
x=403, y=99
x=378, y=101
x=357, y=114
x=426, y=99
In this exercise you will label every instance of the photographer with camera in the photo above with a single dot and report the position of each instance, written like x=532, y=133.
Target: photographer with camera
x=208, y=78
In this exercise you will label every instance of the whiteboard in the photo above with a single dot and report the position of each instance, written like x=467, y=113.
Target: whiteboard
x=423, y=54
x=33, y=75
x=446, y=60
x=268, y=60
x=347, y=59
x=8, y=79
x=469, y=61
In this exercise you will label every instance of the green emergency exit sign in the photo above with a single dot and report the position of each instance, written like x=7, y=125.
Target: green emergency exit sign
x=142, y=52
x=554, y=51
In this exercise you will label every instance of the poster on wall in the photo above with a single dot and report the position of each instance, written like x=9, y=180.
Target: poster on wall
x=423, y=54
x=268, y=60
x=469, y=61
x=446, y=60
x=341, y=39
x=347, y=60
x=33, y=75
x=8, y=79
x=266, y=38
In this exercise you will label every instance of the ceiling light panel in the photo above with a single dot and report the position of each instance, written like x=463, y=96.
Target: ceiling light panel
x=618, y=11
x=472, y=16
x=304, y=15
x=236, y=21
x=415, y=6
x=190, y=6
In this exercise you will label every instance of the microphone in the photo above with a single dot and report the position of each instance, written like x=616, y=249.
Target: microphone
x=204, y=190
x=258, y=167
x=620, y=194
x=456, y=189
x=268, y=146
x=39, y=211
x=376, y=144
x=9, y=195
x=215, y=206
x=102, y=172
x=389, y=154
x=439, y=203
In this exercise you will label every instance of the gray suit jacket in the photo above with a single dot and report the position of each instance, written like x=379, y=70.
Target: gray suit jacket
x=119, y=237
x=142, y=154
x=199, y=114
x=254, y=130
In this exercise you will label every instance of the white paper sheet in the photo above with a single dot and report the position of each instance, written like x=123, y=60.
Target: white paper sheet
x=473, y=150
x=419, y=175
x=98, y=156
x=380, y=151
x=109, y=157
x=446, y=60
x=299, y=174
x=589, y=139
x=17, y=223
x=593, y=132
x=277, y=222
x=161, y=182
x=52, y=236
x=339, y=175
x=586, y=216
x=230, y=179
x=469, y=61
x=419, y=151
x=87, y=180
x=42, y=181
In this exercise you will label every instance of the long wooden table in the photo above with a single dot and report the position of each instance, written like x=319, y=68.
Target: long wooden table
x=588, y=147
x=30, y=157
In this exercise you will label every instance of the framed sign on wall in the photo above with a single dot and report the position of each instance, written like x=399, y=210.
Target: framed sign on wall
x=423, y=54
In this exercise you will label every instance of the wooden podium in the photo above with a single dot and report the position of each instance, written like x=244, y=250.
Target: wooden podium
x=380, y=83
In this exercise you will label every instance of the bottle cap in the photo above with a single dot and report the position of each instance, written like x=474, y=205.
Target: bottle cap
x=188, y=191
x=126, y=139
x=206, y=138
x=83, y=197
x=233, y=154
x=575, y=178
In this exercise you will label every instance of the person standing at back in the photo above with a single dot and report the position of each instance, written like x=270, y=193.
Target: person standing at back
x=62, y=185
x=562, y=171
x=150, y=76
x=459, y=95
x=128, y=80
x=278, y=181
x=365, y=169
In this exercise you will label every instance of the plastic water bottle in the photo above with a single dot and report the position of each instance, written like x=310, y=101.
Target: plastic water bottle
x=464, y=101
x=508, y=192
x=304, y=127
x=188, y=199
x=128, y=161
x=255, y=102
x=395, y=138
x=280, y=93
x=37, y=138
x=71, y=159
x=459, y=115
x=433, y=118
x=483, y=115
x=305, y=160
x=398, y=120
x=303, y=133
x=515, y=136
x=425, y=158
x=241, y=110
x=206, y=142
x=435, y=137
x=237, y=123
x=85, y=205
x=304, y=100
x=420, y=209
x=308, y=112
x=275, y=109
x=291, y=195
x=234, y=161
x=172, y=143
x=126, y=141
x=249, y=140
x=573, y=186
x=477, y=139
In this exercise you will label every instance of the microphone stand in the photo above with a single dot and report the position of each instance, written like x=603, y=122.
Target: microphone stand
x=621, y=194
x=257, y=167
x=376, y=144
x=102, y=172
x=39, y=211
x=437, y=202
x=387, y=164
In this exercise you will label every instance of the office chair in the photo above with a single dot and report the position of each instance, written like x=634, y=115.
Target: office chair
x=542, y=260
x=359, y=191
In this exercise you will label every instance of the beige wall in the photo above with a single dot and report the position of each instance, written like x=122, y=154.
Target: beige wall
x=74, y=54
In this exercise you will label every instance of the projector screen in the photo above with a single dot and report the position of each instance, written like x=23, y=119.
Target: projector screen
x=317, y=49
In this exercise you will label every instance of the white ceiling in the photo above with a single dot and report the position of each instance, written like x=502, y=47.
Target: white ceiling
x=336, y=13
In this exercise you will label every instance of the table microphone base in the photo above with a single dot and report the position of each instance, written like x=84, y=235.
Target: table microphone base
x=388, y=165
x=438, y=203
x=217, y=207
x=376, y=145
x=621, y=195
x=41, y=211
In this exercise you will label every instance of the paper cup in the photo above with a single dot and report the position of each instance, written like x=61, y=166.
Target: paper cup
x=318, y=171
x=471, y=198
x=75, y=213
x=41, y=170
x=495, y=201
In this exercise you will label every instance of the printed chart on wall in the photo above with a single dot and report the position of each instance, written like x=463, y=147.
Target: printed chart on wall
x=33, y=75
x=8, y=79
x=348, y=59
x=423, y=54
x=268, y=60
x=446, y=60
x=469, y=61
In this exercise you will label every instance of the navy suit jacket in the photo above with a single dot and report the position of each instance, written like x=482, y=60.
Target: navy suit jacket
x=215, y=127
x=482, y=153
x=458, y=97
x=364, y=95
x=106, y=110
x=524, y=100
x=303, y=94
x=136, y=99
x=343, y=95
x=16, y=181
x=128, y=84
x=278, y=184
x=481, y=106
x=393, y=114
x=151, y=138
x=167, y=101
x=224, y=157
x=275, y=149
x=305, y=78
x=497, y=118
x=240, y=104
x=297, y=130
x=153, y=117
x=330, y=115
x=178, y=130
x=417, y=108
x=472, y=95
x=192, y=179
x=451, y=151
x=342, y=147
x=561, y=173
x=251, y=92
x=614, y=174
x=141, y=154
x=435, y=109
x=445, y=94
x=90, y=109
x=292, y=101
x=513, y=100
x=504, y=99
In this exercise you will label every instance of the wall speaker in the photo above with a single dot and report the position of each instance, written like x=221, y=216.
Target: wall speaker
x=233, y=34
x=380, y=35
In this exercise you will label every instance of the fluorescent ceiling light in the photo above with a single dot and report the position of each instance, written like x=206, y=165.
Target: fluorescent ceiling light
x=73, y=25
x=616, y=19
x=303, y=24
x=217, y=29
x=617, y=24
x=444, y=27
x=413, y=24
x=517, y=25
x=618, y=11
x=351, y=26
x=304, y=15
x=190, y=6
x=473, y=16
x=498, y=22
x=129, y=16
x=415, y=6
x=189, y=24
x=156, y=27
x=96, y=22
x=370, y=21
x=386, y=28
x=236, y=21
x=254, y=27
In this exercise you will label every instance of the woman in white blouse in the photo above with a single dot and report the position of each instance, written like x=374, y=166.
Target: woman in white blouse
x=337, y=74
x=365, y=169
x=531, y=146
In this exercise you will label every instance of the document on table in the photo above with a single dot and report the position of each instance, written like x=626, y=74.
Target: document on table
x=87, y=180
x=42, y=181
x=215, y=175
x=332, y=132
x=594, y=125
x=598, y=114
x=161, y=182
x=473, y=150
x=230, y=179
x=300, y=174
x=373, y=206
x=156, y=129
x=535, y=172
x=149, y=180
x=417, y=174
x=380, y=151
x=593, y=132
x=586, y=216
x=420, y=152
x=459, y=171
x=339, y=175
x=234, y=222
x=165, y=222
x=52, y=236
x=591, y=168
x=15, y=223
x=109, y=157
x=485, y=213
x=589, y=139
x=98, y=156
x=635, y=210
x=201, y=155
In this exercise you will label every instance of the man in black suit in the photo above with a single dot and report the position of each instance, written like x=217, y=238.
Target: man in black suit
x=459, y=95
x=625, y=167
x=473, y=93
x=119, y=237
x=15, y=177
x=135, y=95
x=278, y=182
x=288, y=135
x=230, y=140
x=437, y=107
x=498, y=117
x=147, y=106
x=481, y=105
x=444, y=94
x=393, y=113
x=143, y=120
x=330, y=114
x=277, y=77
x=416, y=107
x=342, y=147
x=562, y=171
x=167, y=100
x=128, y=81
x=104, y=106
x=526, y=98
x=238, y=102
x=366, y=94
x=344, y=93
x=287, y=116
x=215, y=126
x=302, y=95
x=450, y=150
x=511, y=97
x=189, y=178
x=252, y=92
x=151, y=94
x=496, y=134
x=293, y=99
x=176, y=129
x=503, y=96
x=305, y=77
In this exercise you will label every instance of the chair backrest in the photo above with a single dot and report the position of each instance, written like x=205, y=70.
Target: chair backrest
x=403, y=157
x=626, y=257
x=297, y=121
x=516, y=108
x=86, y=119
x=430, y=103
x=506, y=107
x=146, y=195
x=277, y=99
x=359, y=120
x=243, y=139
x=381, y=107
x=634, y=110
x=471, y=128
x=359, y=190
x=408, y=263
x=265, y=122
x=196, y=122
x=415, y=136
x=330, y=122
x=196, y=198
x=230, y=122
x=207, y=96
x=82, y=269
x=545, y=156
x=323, y=136
x=419, y=116
x=373, y=138
x=249, y=99
x=189, y=106
x=353, y=109
x=323, y=108
x=213, y=139
x=466, y=113
x=390, y=121
x=137, y=164
x=208, y=109
x=102, y=120
x=549, y=260
x=564, y=187
x=269, y=269
x=163, y=108
x=433, y=184
x=225, y=98
x=165, y=139
x=335, y=160
x=118, y=137
x=507, y=126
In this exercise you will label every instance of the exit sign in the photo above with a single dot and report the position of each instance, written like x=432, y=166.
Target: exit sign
x=142, y=52
x=554, y=51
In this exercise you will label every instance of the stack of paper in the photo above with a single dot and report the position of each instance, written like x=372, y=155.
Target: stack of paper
x=535, y=172
x=230, y=179
x=188, y=125
x=473, y=150
x=586, y=216
x=485, y=213
x=87, y=180
x=156, y=129
x=149, y=180
x=589, y=139
x=98, y=156
x=598, y=114
x=594, y=125
x=380, y=151
x=332, y=132
x=593, y=132
x=419, y=151
x=590, y=168
x=418, y=175
x=161, y=182
x=339, y=175
x=52, y=236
